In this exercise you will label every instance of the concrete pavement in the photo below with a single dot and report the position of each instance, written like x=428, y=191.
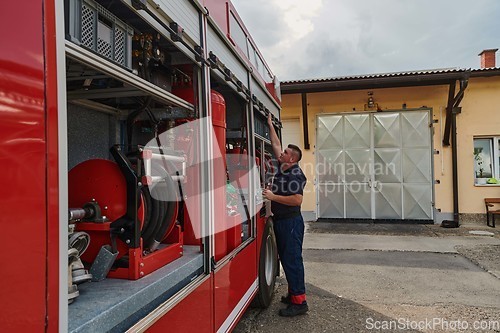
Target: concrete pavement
x=360, y=275
x=393, y=243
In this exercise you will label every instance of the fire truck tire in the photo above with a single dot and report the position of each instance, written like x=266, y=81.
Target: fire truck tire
x=268, y=267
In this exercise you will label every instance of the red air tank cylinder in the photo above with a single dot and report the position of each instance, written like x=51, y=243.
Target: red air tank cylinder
x=192, y=226
x=220, y=176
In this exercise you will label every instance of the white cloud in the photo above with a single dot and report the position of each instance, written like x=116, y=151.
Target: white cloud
x=315, y=38
x=298, y=16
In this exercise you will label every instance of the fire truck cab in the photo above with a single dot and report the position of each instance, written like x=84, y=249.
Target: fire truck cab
x=134, y=146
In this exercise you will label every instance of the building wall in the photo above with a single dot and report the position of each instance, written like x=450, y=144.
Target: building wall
x=480, y=116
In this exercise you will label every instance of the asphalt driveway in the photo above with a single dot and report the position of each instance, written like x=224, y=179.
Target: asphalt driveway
x=382, y=278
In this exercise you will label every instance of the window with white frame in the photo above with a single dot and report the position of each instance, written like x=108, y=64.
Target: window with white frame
x=486, y=159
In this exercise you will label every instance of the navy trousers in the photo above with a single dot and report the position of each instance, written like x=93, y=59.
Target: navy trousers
x=289, y=238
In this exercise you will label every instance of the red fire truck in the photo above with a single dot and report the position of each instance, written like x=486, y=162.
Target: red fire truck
x=133, y=147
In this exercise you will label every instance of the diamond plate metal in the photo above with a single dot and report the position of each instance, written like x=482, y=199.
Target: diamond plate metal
x=387, y=167
x=416, y=129
x=400, y=172
x=331, y=201
x=357, y=165
x=330, y=166
x=388, y=203
x=386, y=129
x=329, y=133
x=358, y=201
x=417, y=165
x=417, y=201
x=357, y=131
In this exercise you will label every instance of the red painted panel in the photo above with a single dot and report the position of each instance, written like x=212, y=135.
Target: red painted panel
x=232, y=281
x=192, y=314
x=52, y=170
x=23, y=212
x=218, y=11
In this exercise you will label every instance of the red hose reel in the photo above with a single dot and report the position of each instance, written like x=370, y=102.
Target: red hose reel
x=102, y=182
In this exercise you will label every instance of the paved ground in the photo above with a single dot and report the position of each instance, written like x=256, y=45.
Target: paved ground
x=414, y=278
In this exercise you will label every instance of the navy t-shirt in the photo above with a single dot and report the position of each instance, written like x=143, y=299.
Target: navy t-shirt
x=289, y=182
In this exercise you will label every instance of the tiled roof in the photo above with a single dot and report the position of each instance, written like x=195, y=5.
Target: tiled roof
x=476, y=70
x=389, y=75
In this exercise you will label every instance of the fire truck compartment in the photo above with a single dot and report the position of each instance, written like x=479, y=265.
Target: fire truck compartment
x=115, y=304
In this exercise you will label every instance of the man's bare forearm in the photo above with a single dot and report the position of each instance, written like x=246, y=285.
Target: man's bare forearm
x=275, y=141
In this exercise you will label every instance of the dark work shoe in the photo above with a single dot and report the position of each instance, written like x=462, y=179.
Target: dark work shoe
x=293, y=310
x=286, y=299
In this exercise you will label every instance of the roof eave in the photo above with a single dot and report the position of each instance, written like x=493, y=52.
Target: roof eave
x=485, y=72
x=373, y=82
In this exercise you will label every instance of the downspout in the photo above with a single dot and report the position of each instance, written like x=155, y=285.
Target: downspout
x=454, y=157
x=305, y=122
x=449, y=109
x=452, y=110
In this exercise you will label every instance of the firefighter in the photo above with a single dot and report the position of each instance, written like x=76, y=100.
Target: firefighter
x=285, y=195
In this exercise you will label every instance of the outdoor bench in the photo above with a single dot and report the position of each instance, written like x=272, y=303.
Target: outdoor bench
x=492, y=209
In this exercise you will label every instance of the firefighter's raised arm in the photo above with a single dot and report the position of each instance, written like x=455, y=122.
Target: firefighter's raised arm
x=275, y=141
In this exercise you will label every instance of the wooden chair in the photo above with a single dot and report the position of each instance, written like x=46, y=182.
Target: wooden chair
x=492, y=209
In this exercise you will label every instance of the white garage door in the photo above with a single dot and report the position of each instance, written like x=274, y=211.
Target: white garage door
x=291, y=133
x=375, y=166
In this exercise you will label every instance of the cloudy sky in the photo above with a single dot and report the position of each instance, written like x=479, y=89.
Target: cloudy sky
x=303, y=39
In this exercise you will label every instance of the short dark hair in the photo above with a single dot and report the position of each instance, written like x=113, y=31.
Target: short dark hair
x=297, y=151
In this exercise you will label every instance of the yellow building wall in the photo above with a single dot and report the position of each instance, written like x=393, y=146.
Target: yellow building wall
x=480, y=116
